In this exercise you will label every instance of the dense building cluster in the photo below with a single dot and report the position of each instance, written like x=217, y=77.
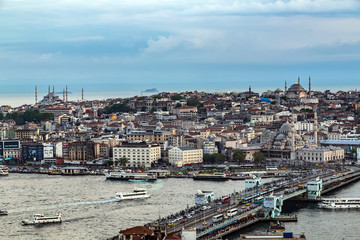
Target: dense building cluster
x=294, y=124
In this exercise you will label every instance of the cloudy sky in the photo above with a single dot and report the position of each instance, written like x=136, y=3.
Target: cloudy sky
x=175, y=45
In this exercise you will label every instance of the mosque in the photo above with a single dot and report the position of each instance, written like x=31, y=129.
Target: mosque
x=296, y=91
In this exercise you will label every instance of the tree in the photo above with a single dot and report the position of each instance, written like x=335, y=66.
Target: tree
x=164, y=109
x=238, y=156
x=118, y=107
x=152, y=110
x=122, y=161
x=258, y=157
x=176, y=97
x=218, y=157
x=177, y=105
x=193, y=102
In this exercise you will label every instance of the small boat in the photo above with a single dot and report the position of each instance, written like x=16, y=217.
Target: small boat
x=340, y=203
x=3, y=212
x=137, y=193
x=4, y=170
x=41, y=219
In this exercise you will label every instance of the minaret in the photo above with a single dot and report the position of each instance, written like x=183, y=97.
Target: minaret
x=249, y=89
x=53, y=90
x=315, y=127
x=293, y=131
x=285, y=86
x=35, y=94
x=63, y=95
x=299, y=80
x=66, y=93
x=309, y=87
x=82, y=94
x=49, y=91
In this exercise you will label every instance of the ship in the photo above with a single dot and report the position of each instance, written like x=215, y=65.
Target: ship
x=340, y=203
x=137, y=193
x=41, y=219
x=4, y=170
x=125, y=176
x=211, y=176
x=3, y=212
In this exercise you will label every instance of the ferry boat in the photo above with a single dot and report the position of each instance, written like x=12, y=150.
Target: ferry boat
x=3, y=212
x=211, y=176
x=125, y=176
x=336, y=203
x=137, y=193
x=4, y=170
x=41, y=219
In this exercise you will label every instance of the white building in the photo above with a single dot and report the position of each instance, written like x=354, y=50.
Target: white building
x=180, y=156
x=210, y=147
x=304, y=126
x=321, y=154
x=138, y=154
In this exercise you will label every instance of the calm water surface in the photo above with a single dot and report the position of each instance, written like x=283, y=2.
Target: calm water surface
x=90, y=211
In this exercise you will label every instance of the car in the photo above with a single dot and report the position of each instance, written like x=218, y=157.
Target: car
x=208, y=207
x=182, y=221
x=203, y=208
x=192, y=212
x=188, y=216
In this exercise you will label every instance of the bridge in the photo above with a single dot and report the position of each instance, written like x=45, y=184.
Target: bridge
x=308, y=187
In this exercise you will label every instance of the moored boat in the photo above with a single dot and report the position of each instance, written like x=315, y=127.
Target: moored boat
x=137, y=193
x=211, y=176
x=41, y=219
x=125, y=176
x=340, y=203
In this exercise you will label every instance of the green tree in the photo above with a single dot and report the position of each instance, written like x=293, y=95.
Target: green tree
x=118, y=107
x=152, y=110
x=176, y=97
x=218, y=157
x=258, y=157
x=177, y=105
x=193, y=102
x=238, y=156
x=121, y=161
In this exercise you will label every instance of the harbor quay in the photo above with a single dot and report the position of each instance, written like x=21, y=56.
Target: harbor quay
x=203, y=221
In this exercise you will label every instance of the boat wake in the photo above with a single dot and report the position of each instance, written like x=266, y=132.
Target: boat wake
x=61, y=205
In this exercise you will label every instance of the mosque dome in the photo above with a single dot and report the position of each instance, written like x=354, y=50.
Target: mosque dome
x=285, y=128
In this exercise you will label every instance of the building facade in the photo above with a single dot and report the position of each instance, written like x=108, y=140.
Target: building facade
x=179, y=156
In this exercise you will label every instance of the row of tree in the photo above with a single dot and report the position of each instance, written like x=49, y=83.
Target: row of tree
x=238, y=156
x=28, y=116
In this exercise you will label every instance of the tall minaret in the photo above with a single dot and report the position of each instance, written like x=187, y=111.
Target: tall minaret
x=299, y=80
x=285, y=86
x=49, y=91
x=249, y=88
x=63, y=94
x=82, y=94
x=66, y=93
x=35, y=94
x=293, y=132
x=315, y=127
x=53, y=90
x=309, y=87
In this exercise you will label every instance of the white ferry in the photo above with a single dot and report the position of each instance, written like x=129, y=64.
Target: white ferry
x=4, y=170
x=137, y=193
x=125, y=176
x=41, y=219
x=335, y=203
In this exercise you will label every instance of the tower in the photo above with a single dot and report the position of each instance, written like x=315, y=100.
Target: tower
x=309, y=87
x=66, y=94
x=285, y=86
x=82, y=94
x=315, y=127
x=35, y=94
x=53, y=90
x=293, y=131
x=249, y=88
x=299, y=80
x=63, y=95
x=49, y=91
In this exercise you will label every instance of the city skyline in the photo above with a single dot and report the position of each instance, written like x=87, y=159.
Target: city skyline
x=170, y=45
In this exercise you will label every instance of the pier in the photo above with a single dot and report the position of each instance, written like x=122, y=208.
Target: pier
x=304, y=188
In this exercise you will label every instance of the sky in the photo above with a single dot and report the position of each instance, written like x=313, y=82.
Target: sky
x=113, y=48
